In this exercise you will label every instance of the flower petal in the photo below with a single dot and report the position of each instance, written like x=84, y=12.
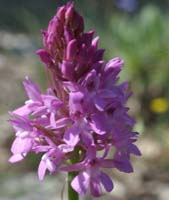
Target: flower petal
x=98, y=123
x=122, y=163
x=22, y=111
x=106, y=181
x=71, y=136
x=73, y=167
x=16, y=158
x=134, y=150
x=32, y=89
x=21, y=145
x=80, y=183
x=42, y=170
x=95, y=187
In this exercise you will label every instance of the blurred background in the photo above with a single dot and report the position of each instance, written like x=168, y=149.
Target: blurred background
x=135, y=30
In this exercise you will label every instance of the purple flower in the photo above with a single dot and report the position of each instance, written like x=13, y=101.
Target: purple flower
x=91, y=175
x=20, y=148
x=50, y=161
x=82, y=114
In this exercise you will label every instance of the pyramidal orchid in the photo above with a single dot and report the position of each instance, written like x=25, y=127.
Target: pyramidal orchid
x=82, y=116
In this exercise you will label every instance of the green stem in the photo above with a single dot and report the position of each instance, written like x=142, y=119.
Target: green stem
x=72, y=195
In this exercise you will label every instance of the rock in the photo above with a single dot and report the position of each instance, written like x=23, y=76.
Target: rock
x=162, y=191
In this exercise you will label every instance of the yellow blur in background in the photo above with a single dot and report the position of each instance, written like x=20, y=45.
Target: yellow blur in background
x=159, y=105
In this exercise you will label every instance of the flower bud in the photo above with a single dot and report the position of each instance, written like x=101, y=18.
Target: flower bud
x=61, y=13
x=44, y=56
x=67, y=69
x=71, y=49
x=115, y=63
x=69, y=13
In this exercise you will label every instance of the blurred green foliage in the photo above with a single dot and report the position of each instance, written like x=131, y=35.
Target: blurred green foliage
x=143, y=41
